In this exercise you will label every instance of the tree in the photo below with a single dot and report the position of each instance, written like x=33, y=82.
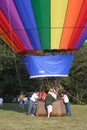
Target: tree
x=75, y=83
x=78, y=72
x=14, y=77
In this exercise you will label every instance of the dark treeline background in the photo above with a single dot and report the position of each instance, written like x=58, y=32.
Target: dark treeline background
x=14, y=77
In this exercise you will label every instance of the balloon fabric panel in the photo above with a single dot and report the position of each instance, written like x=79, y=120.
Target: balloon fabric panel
x=10, y=33
x=46, y=24
x=25, y=11
x=82, y=19
x=33, y=26
x=58, y=11
x=48, y=66
x=8, y=41
x=13, y=18
x=41, y=11
x=82, y=37
x=73, y=11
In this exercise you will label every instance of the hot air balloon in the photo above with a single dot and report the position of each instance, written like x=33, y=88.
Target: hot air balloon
x=45, y=32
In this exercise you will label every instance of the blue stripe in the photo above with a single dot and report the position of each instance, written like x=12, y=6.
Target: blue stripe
x=25, y=11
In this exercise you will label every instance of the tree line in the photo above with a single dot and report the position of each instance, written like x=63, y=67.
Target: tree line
x=14, y=77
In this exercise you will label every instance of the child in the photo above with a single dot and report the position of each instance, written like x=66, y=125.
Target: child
x=67, y=103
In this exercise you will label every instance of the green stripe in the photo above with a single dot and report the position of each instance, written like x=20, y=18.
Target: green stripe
x=41, y=10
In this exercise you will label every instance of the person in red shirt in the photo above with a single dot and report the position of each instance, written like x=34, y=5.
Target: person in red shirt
x=42, y=95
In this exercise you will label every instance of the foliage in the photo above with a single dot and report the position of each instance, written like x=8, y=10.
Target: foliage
x=78, y=73
x=75, y=84
x=14, y=77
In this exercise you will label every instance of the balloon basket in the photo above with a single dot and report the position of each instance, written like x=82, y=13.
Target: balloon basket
x=58, y=108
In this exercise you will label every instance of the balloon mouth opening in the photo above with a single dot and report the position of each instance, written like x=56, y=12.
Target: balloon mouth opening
x=48, y=52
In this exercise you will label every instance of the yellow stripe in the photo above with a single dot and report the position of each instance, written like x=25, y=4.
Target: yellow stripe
x=58, y=11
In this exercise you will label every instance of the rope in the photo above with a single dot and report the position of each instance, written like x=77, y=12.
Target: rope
x=74, y=97
x=14, y=56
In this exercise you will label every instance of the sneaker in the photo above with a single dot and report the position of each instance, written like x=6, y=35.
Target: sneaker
x=32, y=115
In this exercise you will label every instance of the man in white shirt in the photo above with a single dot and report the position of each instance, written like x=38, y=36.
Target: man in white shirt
x=33, y=103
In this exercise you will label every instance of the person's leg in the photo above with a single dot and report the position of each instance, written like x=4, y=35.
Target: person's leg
x=49, y=110
x=68, y=109
x=34, y=109
x=30, y=106
x=22, y=104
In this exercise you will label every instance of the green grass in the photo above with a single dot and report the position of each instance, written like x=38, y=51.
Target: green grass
x=12, y=118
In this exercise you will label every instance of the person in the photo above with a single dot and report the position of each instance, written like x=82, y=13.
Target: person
x=21, y=101
x=67, y=103
x=42, y=95
x=1, y=102
x=33, y=103
x=50, y=98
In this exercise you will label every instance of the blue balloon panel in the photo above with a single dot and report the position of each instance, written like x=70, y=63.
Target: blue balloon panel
x=48, y=66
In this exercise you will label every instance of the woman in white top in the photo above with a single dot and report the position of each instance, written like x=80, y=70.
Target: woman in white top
x=67, y=103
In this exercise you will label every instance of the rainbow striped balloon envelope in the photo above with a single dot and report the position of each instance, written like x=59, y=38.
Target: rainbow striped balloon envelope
x=42, y=30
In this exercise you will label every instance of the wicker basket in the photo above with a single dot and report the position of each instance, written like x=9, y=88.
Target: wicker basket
x=58, y=108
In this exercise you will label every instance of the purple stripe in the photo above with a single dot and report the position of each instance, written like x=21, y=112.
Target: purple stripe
x=10, y=12
x=82, y=37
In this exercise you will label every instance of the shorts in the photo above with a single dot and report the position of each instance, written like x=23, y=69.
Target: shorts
x=49, y=108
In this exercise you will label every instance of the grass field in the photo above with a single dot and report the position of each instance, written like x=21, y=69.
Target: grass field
x=11, y=118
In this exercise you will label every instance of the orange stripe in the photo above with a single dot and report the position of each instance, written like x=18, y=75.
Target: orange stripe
x=72, y=14
x=7, y=28
x=8, y=41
